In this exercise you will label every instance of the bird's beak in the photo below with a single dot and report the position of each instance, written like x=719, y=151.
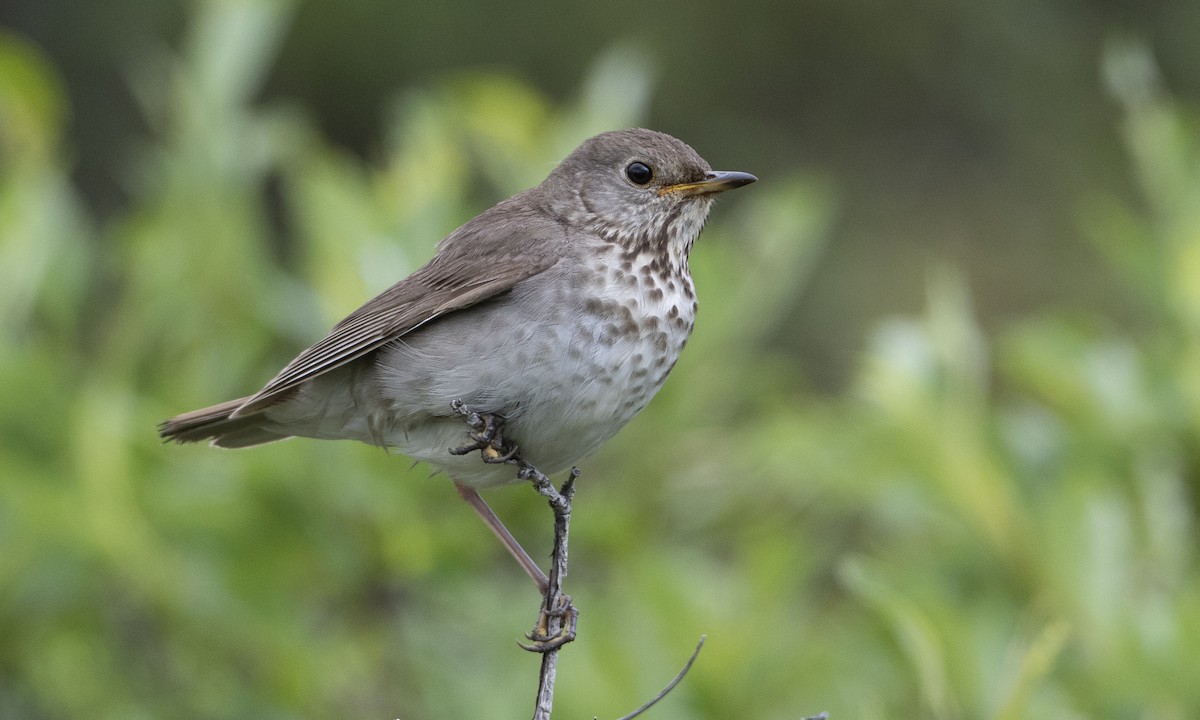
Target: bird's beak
x=715, y=182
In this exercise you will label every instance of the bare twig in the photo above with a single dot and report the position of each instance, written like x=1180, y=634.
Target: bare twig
x=556, y=622
x=670, y=686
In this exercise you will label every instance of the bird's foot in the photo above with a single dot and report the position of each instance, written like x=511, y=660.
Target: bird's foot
x=486, y=435
x=542, y=639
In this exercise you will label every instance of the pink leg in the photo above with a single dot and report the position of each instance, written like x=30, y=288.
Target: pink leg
x=514, y=548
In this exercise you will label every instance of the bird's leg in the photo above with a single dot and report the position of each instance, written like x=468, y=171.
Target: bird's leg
x=514, y=548
x=488, y=438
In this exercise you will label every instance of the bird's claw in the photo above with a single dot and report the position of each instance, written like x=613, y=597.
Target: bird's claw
x=486, y=436
x=541, y=639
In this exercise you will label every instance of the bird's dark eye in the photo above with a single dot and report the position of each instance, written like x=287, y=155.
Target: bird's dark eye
x=639, y=173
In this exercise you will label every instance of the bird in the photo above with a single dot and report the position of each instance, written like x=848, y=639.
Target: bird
x=559, y=311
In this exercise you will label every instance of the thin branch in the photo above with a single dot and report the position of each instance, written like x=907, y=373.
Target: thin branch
x=670, y=686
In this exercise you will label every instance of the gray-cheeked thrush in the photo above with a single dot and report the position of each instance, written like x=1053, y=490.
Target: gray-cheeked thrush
x=560, y=310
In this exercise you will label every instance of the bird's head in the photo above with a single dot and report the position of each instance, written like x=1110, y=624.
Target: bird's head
x=640, y=188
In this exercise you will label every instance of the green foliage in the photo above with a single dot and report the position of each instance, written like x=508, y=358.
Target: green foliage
x=983, y=527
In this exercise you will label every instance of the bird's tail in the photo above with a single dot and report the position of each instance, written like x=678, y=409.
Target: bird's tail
x=215, y=424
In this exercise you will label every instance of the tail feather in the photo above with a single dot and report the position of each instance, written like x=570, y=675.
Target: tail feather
x=214, y=423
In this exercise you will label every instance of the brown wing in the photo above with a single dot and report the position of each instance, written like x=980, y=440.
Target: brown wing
x=482, y=259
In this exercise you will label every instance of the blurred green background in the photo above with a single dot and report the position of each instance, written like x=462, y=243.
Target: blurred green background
x=934, y=450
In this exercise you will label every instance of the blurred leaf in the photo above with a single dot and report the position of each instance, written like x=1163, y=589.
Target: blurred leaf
x=42, y=228
x=33, y=104
x=914, y=632
x=1037, y=663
